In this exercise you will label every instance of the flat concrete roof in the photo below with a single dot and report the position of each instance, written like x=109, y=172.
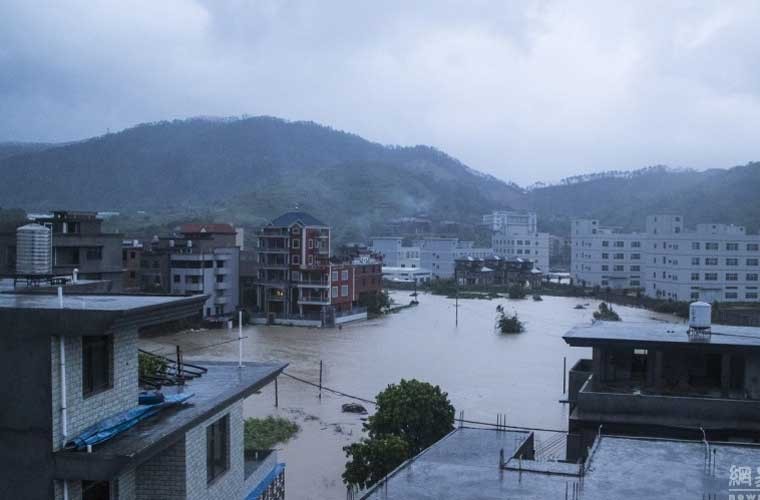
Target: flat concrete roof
x=86, y=302
x=621, y=332
x=222, y=385
x=465, y=465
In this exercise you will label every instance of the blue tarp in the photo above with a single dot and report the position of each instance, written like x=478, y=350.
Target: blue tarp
x=116, y=424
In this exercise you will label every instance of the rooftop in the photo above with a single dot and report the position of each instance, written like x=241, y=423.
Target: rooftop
x=223, y=384
x=289, y=218
x=660, y=333
x=207, y=228
x=465, y=464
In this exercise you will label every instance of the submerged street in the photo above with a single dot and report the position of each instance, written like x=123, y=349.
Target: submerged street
x=484, y=373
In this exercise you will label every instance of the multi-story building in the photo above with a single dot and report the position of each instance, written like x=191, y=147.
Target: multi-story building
x=131, y=257
x=714, y=262
x=437, y=255
x=515, y=234
x=559, y=252
x=80, y=243
x=394, y=253
x=294, y=266
x=496, y=271
x=214, y=272
x=605, y=257
x=72, y=424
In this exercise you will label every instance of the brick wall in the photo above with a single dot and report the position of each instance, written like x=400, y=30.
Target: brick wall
x=83, y=412
x=163, y=476
x=230, y=484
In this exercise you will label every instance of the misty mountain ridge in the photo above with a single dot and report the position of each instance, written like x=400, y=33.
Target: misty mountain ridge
x=249, y=169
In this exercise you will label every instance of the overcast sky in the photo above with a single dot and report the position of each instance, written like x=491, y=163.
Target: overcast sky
x=526, y=91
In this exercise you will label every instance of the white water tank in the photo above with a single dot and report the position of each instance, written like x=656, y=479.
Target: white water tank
x=700, y=315
x=34, y=250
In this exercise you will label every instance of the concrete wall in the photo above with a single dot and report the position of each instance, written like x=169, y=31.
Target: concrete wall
x=83, y=412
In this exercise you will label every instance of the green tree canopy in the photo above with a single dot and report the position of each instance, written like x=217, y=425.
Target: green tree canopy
x=373, y=459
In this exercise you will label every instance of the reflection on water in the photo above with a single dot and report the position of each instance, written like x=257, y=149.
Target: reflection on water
x=484, y=373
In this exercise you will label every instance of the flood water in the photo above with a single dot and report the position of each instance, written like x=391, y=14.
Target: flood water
x=483, y=372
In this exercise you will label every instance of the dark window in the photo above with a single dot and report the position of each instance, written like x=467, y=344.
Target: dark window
x=97, y=353
x=96, y=490
x=132, y=275
x=95, y=253
x=217, y=448
x=177, y=278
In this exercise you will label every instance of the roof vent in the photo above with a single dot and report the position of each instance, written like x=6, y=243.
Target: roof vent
x=700, y=317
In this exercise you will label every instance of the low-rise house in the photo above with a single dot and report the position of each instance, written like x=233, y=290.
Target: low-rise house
x=72, y=426
x=496, y=271
x=491, y=464
x=406, y=275
x=666, y=380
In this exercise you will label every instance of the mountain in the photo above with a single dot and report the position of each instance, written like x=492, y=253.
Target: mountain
x=8, y=149
x=251, y=169
x=625, y=199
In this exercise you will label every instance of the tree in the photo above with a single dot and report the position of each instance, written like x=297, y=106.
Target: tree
x=517, y=291
x=510, y=324
x=408, y=418
x=376, y=303
x=373, y=459
x=606, y=313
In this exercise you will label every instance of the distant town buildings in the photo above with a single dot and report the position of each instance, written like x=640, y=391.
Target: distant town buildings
x=496, y=271
x=714, y=262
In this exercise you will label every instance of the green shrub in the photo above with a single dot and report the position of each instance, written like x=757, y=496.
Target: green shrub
x=264, y=433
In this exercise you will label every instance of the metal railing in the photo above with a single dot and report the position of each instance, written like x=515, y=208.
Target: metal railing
x=170, y=371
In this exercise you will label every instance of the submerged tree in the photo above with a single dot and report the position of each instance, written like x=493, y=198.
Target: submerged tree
x=510, y=324
x=517, y=291
x=606, y=313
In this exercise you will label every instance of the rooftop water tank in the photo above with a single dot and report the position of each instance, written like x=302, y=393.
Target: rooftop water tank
x=700, y=315
x=34, y=250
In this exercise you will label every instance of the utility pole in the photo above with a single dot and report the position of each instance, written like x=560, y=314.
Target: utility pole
x=456, y=299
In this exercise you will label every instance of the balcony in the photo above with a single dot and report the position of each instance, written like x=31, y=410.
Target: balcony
x=222, y=286
x=257, y=465
x=313, y=284
x=314, y=300
x=220, y=300
x=634, y=405
x=274, y=250
x=222, y=270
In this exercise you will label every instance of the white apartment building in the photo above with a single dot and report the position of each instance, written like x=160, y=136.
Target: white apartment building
x=394, y=253
x=438, y=255
x=215, y=273
x=714, y=262
x=515, y=234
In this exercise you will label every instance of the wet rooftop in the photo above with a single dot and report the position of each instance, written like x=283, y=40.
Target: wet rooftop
x=86, y=302
x=661, y=333
x=223, y=384
x=465, y=465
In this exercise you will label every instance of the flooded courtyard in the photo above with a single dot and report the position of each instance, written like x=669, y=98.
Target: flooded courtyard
x=484, y=373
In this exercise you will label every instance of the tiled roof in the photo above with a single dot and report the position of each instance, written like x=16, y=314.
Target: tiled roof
x=289, y=218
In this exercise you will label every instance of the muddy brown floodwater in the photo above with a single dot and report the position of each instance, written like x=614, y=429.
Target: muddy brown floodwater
x=483, y=372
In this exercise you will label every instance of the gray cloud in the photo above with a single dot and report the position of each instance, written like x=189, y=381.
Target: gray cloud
x=526, y=91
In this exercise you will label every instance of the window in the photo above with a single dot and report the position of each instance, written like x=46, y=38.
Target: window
x=732, y=262
x=752, y=262
x=751, y=277
x=635, y=256
x=96, y=490
x=97, y=354
x=217, y=448
x=619, y=256
x=750, y=295
x=311, y=260
x=752, y=247
x=177, y=278
x=619, y=268
x=732, y=246
x=296, y=259
x=335, y=275
x=95, y=253
x=619, y=244
x=694, y=295
x=605, y=267
x=605, y=283
x=635, y=283
x=344, y=275
x=311, y=243
x=344, y=291
x=296, y=243
x=635, y=244
x=711, y=261
x=695, y=261
x=711, y=246
x=731, y=295
x=635, y=268
x=694, y=276
x=695, y=245
x=605, y=243
x=711, y=276
x=334, y=291
x=220, y=278
x=732, y=277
